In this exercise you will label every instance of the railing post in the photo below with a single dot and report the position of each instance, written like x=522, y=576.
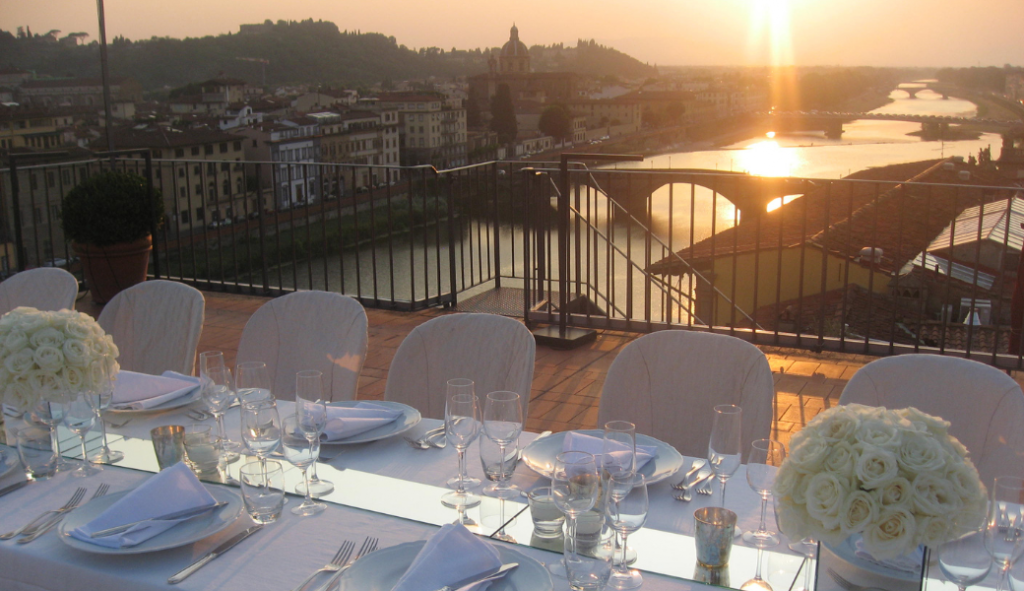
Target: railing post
x=19, y=241
x=563, y=245
x=497, y=226
x=264, y=273
x=451, y=247
x=153, y=228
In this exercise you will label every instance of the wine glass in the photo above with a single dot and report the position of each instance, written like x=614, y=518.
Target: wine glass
x=764, y=460
x=311, y=407
x=461, y=425
x=758, y=583
x=1003, y=538
x=618, y=453
x=575, y=485
x=626, y=506
x=724, y=449
x=79, y=417
x=499, y=466
x=261, y=428
x=302, y=452
x=503, y=422
x=251, y=382
x=51, y=414
x=964, y=560
x=806, y=547
x=103, y=389
x=219, y=394
x=464, y=385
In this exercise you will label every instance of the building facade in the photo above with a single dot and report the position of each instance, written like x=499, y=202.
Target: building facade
x=359, y=137
x=291, y=147
x=431, y=131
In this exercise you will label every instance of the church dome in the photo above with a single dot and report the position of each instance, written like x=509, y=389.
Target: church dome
x=514, y=47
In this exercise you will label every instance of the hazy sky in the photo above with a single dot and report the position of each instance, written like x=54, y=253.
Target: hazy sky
x=664, y=32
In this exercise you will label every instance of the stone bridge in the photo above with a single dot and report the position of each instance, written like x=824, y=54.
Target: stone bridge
x=832, y=122
x=633, y=189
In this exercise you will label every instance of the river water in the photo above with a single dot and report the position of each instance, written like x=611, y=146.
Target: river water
x=864, y=144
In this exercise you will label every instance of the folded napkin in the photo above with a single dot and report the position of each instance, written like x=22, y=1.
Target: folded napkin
x=169, y=491
x=139, y=391
x=450, y=556
x=575, y=441
x=348, y=421
x=908, y=563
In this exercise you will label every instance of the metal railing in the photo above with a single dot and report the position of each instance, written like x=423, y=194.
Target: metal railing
x=871, y=264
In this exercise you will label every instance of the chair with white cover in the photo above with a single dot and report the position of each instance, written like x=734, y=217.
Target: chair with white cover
x=304, y=330
x=156, y=326
x=495, y=352
x=45, y=288
x=668, y=383
x=984, y=406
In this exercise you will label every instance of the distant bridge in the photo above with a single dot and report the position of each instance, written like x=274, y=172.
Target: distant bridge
x=832, y=122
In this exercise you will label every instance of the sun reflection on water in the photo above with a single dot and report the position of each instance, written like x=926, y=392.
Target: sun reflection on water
x=768, y=158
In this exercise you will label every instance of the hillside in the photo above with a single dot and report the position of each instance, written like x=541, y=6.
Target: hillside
x=306, y=52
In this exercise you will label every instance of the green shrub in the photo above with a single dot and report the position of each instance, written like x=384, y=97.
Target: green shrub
x=111, y=207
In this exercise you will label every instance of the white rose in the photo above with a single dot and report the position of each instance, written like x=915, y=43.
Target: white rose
x=878, y=432
x=20, y=362
x=74, y=378
x=891, y=535
x=933, y=495
x=76, y=329
x=875, y=467
x=921, y=453
x=76, y=352
x=785, y=481
x=16, y=340
x=49, y=358
x=8, y=321
x=47, y=385
x=925, y=422
x=841, y=459
x=49, y=336
x=30, y=323
x=858, y=511
x=840, y=425
x=19, y=395
x=895, y=493
x=934, y=531
x=825, y=494
x=809, y=455
x=964, y=479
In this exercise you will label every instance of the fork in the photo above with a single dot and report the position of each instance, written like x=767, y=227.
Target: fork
x=198, y=414
x=696, y=465
x=848, y=585
x=687, y=493
x=340, y=557
x=33, y=525
x=102, y=490
x=369, y=545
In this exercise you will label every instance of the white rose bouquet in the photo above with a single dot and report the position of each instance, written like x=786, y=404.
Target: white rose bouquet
x=895, y=476
x=51, y=356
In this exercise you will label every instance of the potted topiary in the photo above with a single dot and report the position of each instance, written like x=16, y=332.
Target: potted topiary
x=109, y=219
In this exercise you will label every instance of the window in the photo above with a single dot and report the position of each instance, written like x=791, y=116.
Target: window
x=208, y=149
x=195, y=150
x=181, y=172
x=37, y=216
x=224, y=148
x=227, y=187
x=238, y=145
x=225, y=167
x=183, y=217
x=199, y=189
x=51, y=179
x=211, y=168
x=65, y=177
x=196, y=170
x=179, y=153
x=181, y=192
x=199, y=214
x=255, y=143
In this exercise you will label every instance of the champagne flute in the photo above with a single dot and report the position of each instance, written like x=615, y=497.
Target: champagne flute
x=626, y=506
x=575, y=485
x=261, y=428
x=219, y=394
x=503, y=422
x=302, y=452
x=964, y=560
x=1003, y=538
x=462, y=425
x=311, y=407
x=79, y=417
x=724, y=449
x=766, y=456
x=103, y=389
x=251, y=382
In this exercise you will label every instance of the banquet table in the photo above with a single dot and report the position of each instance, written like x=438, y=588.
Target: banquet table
x=385, y=489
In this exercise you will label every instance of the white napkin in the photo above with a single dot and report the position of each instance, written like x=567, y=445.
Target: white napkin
x=139, y=391
x=908, y=563
x=347, y=421
x=575, y=441
x=171, y=490
x=451, y=555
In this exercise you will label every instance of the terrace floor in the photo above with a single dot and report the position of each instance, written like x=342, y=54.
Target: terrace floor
x=566, y=384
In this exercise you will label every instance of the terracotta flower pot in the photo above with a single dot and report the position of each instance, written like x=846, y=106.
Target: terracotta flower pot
x=109, y=269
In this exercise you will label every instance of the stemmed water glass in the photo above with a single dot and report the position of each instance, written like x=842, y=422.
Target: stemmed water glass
x=498, y=465
x=261, y=428
x=724, y=449
x=964, y=560
x=618, y=452
x=627, y=504
x=219, y=394
x=503, y=422
x=311, y=408
x=766, y=456
x=251, y=382
x=103, y=390
x=461, y=425
x=79, y=417
x=1003, y=538
x=51, y=414
x=302, y=452
x=575, y=485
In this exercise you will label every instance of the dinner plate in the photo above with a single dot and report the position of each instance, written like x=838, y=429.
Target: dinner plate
x=847, y=552
x=185, y=400
x=540, y=454
x=380, y=570
x=410, y=416
x=180, y=535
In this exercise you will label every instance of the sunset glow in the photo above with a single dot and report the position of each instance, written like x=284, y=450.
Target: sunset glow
x=769, y=28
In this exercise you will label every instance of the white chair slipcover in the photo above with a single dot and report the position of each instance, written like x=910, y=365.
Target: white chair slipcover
x=156, y=326
x=668, y=383
x=45, y=288
x=984, y=405
x=496, y=352
x=308, y=330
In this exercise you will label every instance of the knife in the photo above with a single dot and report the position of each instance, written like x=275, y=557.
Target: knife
x=198, y=564
x=474, y=580
x=183, y=514
x=13, y=487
